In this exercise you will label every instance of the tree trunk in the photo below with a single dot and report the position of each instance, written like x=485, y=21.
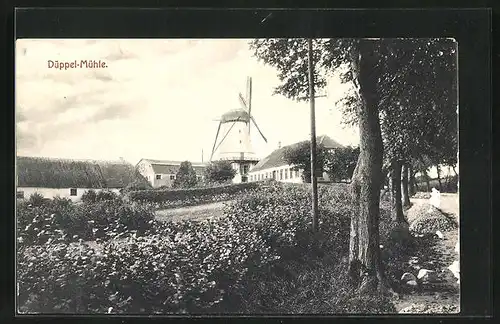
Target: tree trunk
x=412, y=181
x=365, y=266
x=397, y=205
x=439, y=178
x=426, y=176
x=405, y=184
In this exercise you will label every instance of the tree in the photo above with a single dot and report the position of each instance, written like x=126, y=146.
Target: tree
x=362, y=58
x=299, y=155
x=419, y=113
x=219, y=171
x=186, y=176
x=342, y=162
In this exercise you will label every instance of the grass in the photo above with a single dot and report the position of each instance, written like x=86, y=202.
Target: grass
x=191, y=213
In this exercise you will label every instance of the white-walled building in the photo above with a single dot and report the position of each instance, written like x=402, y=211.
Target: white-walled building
x=274, y=166
x=162, y=173
x=69, y=178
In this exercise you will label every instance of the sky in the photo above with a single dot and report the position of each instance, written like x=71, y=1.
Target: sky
x=156, y=98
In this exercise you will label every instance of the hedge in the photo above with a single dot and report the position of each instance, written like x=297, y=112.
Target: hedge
x=61, y=220
x=192, y=196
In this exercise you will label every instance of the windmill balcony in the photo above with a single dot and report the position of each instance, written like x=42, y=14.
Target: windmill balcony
x=238, y=157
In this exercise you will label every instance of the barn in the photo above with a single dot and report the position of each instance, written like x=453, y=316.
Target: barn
x=162, y=173
x=274, y=166
x=69, y=178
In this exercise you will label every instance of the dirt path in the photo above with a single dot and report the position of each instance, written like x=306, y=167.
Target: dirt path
x=191, y=213
x=436, y=254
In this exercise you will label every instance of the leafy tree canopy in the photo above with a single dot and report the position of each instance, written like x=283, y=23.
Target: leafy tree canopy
x=341, y=163
x=186, y=176
x=219, y=171
x=300, y=156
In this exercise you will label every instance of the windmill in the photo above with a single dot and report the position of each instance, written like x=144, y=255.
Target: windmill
x=232, y=141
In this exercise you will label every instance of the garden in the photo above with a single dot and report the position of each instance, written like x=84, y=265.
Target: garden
x=259, y=258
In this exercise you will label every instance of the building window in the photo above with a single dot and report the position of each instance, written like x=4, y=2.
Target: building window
x=158, y=177
x=296, y=173
x=72, y=192
x=286, y=174
x=20, y=194
x=281, y=174
x=172, y=177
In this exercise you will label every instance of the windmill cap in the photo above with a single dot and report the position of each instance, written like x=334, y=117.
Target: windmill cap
x=235, y=115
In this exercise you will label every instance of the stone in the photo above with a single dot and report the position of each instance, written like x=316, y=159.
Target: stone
x=408, y=277
x=425, y=275
x=455, y=269
x=439, y=234
x=435, y=199
x=412, y=283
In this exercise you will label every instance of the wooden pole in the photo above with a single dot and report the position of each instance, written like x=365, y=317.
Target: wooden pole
x=314, y=179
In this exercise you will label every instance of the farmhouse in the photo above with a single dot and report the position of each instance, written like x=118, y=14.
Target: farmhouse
x=275, y=167
x=161, y=173
x=68, y=178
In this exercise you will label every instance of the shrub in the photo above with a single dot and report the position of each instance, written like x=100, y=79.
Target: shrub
x=255, y=256
x=36, y=199
x=106, y=195
x=64, y=221
x=89, y=196
x=189, y=267
x=185, y=197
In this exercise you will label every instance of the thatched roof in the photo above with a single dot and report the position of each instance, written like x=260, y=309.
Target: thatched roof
x=66, y=173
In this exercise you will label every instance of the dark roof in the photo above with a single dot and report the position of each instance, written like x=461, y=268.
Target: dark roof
x=68, y=173
x=277, y=159
x=327, y=142
x=172, y=169
x=235, y=115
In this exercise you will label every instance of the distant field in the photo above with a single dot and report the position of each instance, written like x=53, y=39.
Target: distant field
x=191, y=213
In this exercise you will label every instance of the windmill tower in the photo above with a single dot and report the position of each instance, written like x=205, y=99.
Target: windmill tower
x=233, y=142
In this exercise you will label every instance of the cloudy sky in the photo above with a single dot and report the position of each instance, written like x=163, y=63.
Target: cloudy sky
x=156, y=99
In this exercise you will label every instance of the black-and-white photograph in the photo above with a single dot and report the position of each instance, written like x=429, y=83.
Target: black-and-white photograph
x=237, y=176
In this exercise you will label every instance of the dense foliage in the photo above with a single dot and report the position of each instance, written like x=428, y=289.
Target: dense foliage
x=190, y=267
x=60, y=220
x=219, y=172
x=186, y=176
x=341, y=163
x=300, y=156
x=191, y=196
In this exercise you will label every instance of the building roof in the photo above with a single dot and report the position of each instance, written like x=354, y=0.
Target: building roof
x=172, y=163
x=44, y=172
x=235, y=115
x=277, y=157
x=172, y=169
